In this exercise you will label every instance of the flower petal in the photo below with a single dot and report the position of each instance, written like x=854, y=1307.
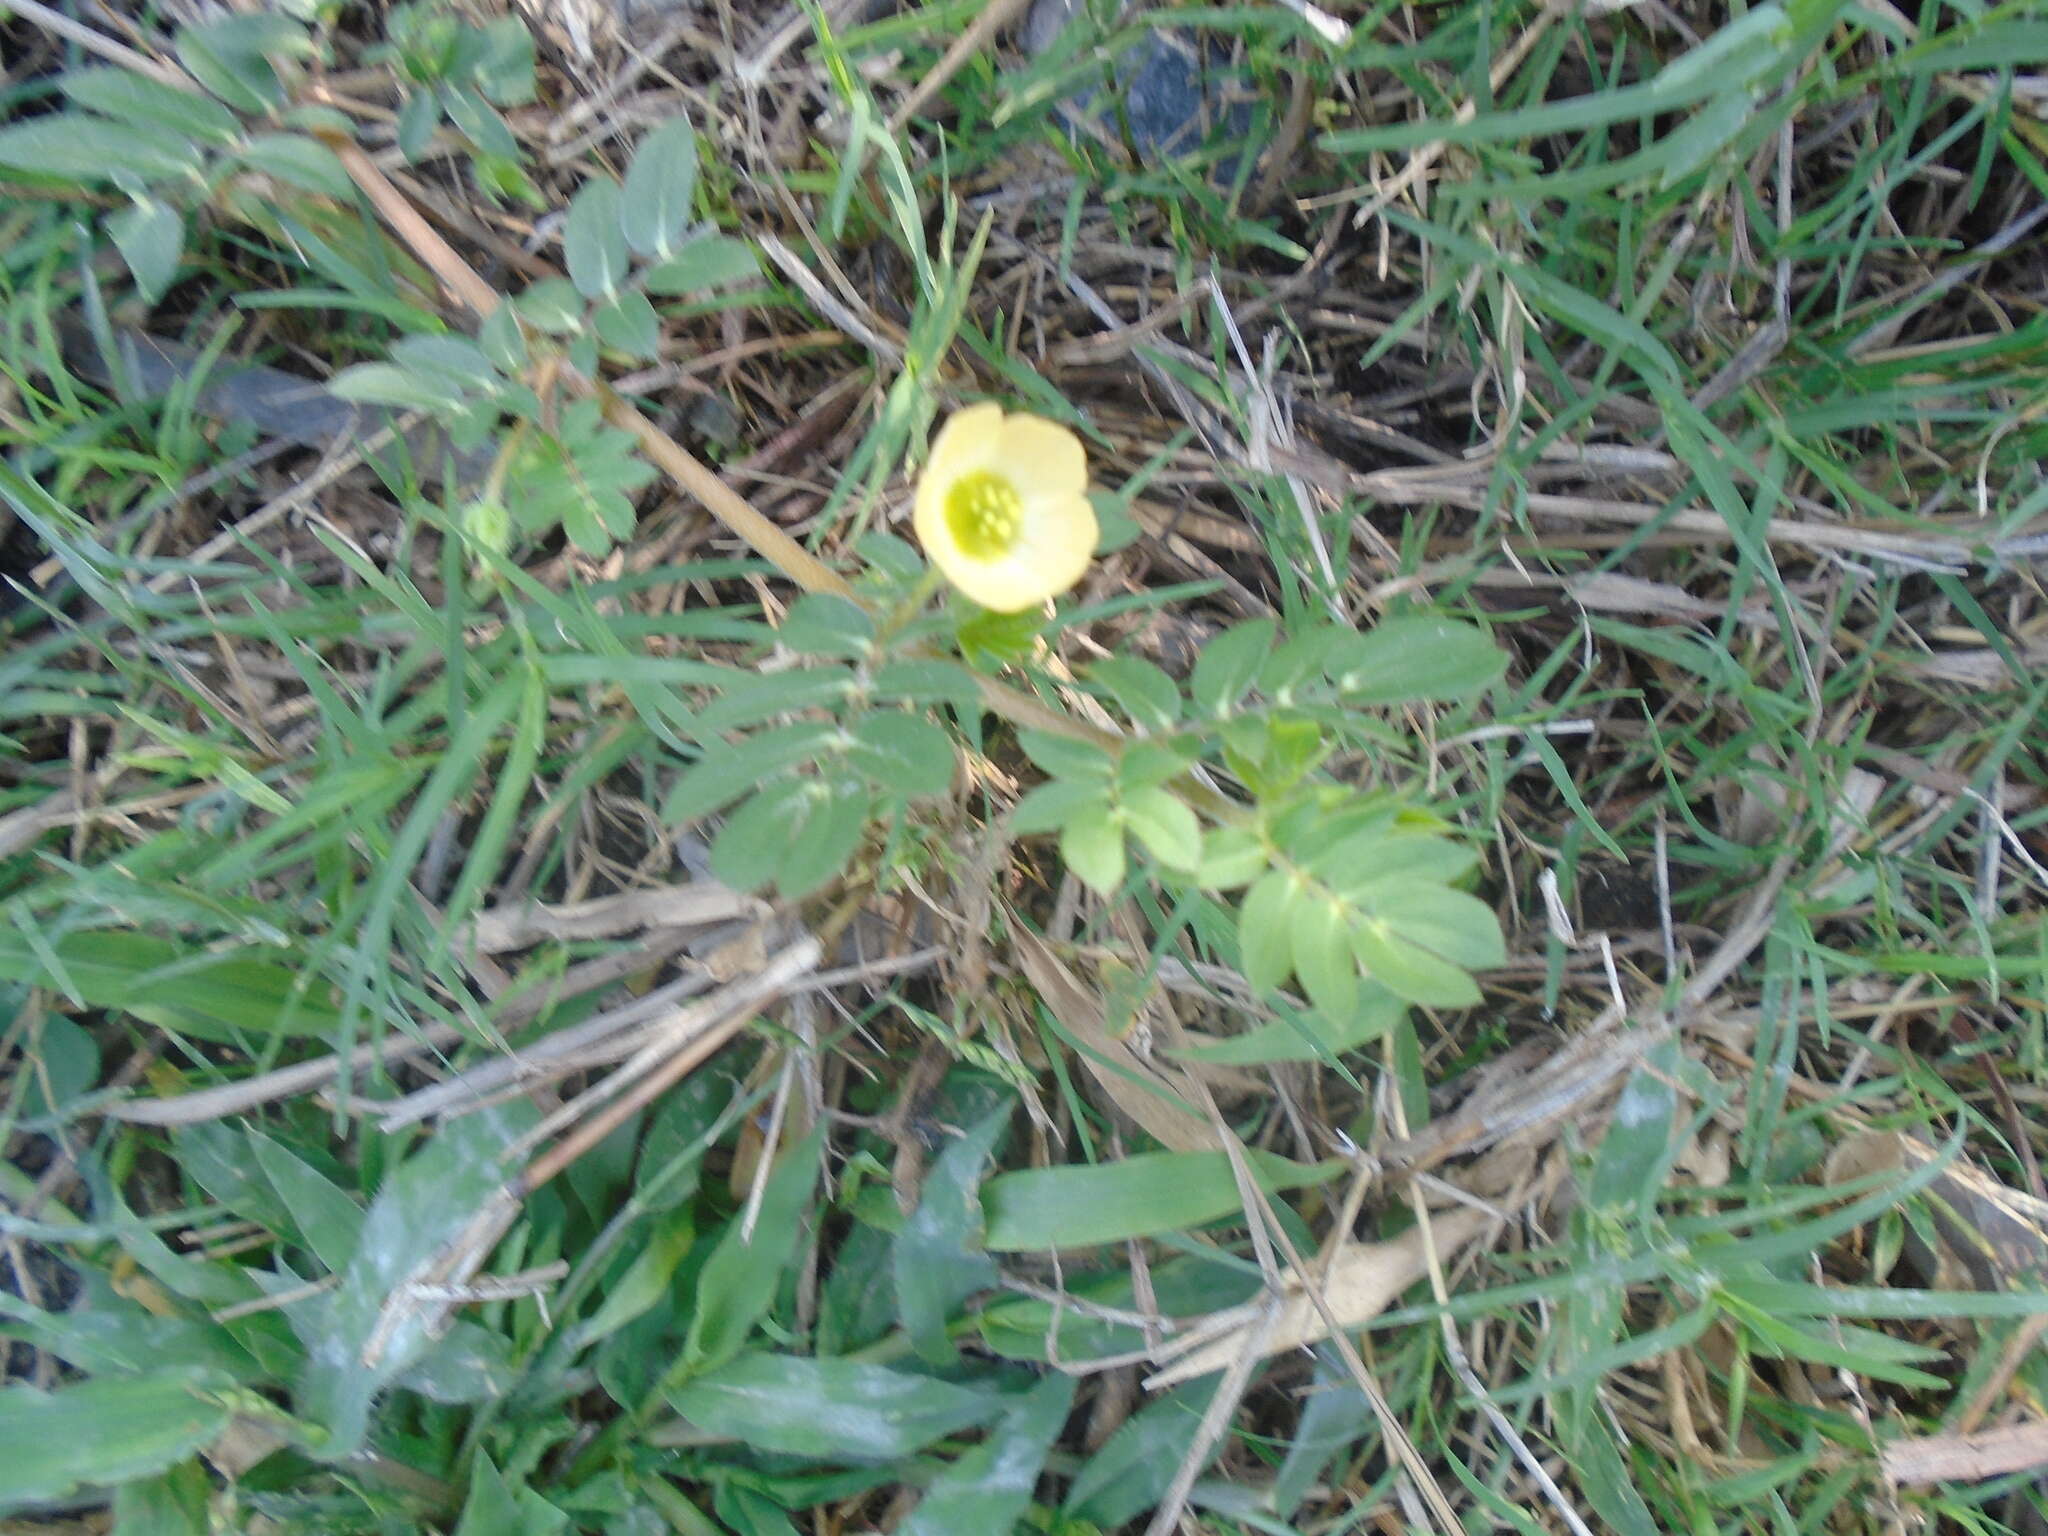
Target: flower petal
x=1040, y=456
x=1008, y=586
x=1058, y=537
x=968, y=441
x=1055, y=545
x=933, y=531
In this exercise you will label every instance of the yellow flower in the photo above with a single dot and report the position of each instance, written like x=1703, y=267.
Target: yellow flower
x=1002, y=508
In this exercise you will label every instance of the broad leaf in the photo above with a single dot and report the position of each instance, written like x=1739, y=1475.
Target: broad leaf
x=661, y=189
x=593, y=246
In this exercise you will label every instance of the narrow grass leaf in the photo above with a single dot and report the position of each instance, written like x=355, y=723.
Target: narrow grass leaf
x=222, y=995
x=829, y=1410
x=989, y=1489
x=1135, y=1465
x=740, y=1280
x=107, y=1430
x=938, y=1257
x=324, y=1218
x=1034, y=1209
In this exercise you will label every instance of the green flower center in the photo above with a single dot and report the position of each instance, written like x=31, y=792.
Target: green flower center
x=983, y=513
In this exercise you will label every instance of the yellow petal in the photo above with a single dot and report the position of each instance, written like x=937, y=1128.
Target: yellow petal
x=1053, y=549
x=968, y=441
x=1059, y=534
x=1041, y=456
x=1008, y=586
x=933, y=531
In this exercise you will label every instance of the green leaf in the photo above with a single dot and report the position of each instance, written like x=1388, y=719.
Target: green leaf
x=1383, y=854
x=90, y=150
x=224, y=995
x=938, y=1258
x=1135, y=1466
x=1228, y=666
x=1141, y=690
x=551, y=305
x=1231, y=857
x=1065, y=758
x=417, y=120
x=326, y=1220
x=1025, y=1328
x=474, y=119
x=824, y=842
x=430, y=1196
x=1410, y=971
x=989, y=1489
x=724, y=773
x=903, y=755
x=1165, y=824
x=455, y=362
x=151, y=239
x=627, y=323
x=593, y=246
x=927, y=682
x=389, y=384
x=471, y=1364
x=62, y=1063
x=825, y=624
x=661, y=189
x=216, y=1159
x=1264, y=939
x=173, y=1503
x=300, y=162
x=501, y=339
x=1323, y=956
x=753, y=699
x=1312, y=1036
x=1461, y=928
x=1421, y=659
x=149, y=103
x=1146, y=764
x=1092, y=843
x=102, y=1431
x=1080, y=1205
x=1297, y=660
x=709, y=261
x=830, y=1410
x=1052, y=805
x=798, y=833
x=738, y=1283
x=231, y=57
x=647, y=1279
x=497, y=1508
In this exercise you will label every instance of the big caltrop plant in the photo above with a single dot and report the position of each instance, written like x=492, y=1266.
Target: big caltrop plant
x=826, y=748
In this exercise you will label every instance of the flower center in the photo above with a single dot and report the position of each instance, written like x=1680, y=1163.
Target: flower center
x=983, y=513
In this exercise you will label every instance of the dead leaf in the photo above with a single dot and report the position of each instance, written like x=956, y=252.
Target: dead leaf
x=1132, y=1085
x=1923, y=1459
x=1361, y=1282
x=1990, y=1234
x=696, y=904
